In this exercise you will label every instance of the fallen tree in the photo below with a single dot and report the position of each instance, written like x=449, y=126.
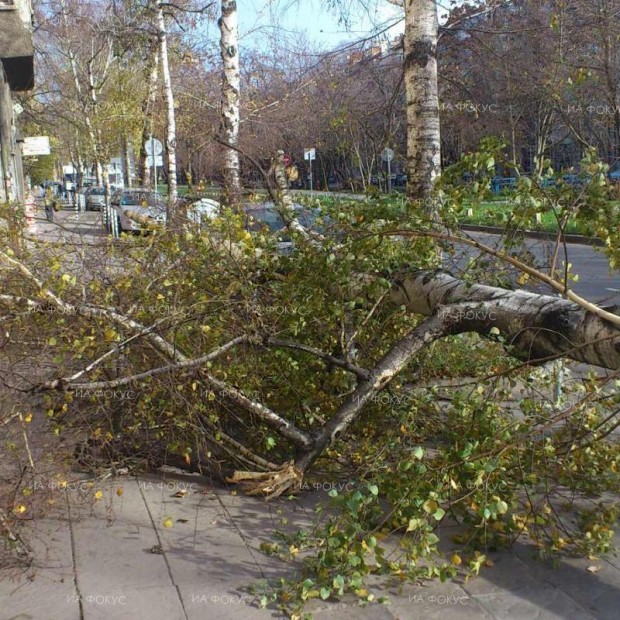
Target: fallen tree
x=532, y=327
x=211, y=350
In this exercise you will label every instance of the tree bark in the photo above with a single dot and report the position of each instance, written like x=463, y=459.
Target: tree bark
x=229, y=50
x=420, y=71
x=534, y=327
x=171, y=147
x=147, y=112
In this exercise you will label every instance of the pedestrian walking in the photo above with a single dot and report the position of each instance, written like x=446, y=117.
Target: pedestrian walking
x=48, y=201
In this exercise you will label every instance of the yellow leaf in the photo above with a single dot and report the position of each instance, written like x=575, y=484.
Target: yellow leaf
x=168, y=522
x=109, y=334
x=28, y=418
x=430, y=506
x=456, y=559
x=119, y=491
x=19, y=509
x=98, y=494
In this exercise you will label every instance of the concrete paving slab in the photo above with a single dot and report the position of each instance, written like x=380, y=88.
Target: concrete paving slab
x=210, y=602
x=129, y=565
x=47, y=589
x=113, y=547
x=435, y=600
x=41, y=599
x=355, y=612
x=596, y=592
x=531, y=603
x=510, y=590
x=135, y=604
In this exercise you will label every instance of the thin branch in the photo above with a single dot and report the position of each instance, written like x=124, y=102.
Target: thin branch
x=361, y=373
x=70, y=384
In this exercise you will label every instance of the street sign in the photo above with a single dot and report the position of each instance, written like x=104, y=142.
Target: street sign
x=309, y=154
x=159, y=161
x=286, y=160
x=153, y=145
x=37, y=145
x=387, y=154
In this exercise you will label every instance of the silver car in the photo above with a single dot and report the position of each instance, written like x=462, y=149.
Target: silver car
x=95, y=199
x=133, y=206
x=264, y=217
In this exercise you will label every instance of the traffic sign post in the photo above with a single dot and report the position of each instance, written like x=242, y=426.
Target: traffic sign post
x=154, y=148
x=310, y=156
x=387, y=155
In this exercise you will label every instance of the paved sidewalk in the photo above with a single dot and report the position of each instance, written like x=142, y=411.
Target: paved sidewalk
x=68, y=226
x=118, y=560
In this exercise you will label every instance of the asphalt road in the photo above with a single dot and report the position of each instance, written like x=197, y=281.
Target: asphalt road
x=596, y=282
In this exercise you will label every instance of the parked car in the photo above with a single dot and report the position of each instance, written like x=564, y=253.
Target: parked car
x=614, y=174
x=94, y=198
x=264, y=217
x=203, y=208
x=131, y=205
x=500, y=184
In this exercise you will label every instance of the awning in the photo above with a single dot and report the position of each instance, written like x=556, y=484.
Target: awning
x=16, y=50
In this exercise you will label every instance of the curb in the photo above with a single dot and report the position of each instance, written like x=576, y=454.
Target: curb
x=535, y=234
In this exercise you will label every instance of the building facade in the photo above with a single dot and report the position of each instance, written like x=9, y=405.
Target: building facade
x=16, y=75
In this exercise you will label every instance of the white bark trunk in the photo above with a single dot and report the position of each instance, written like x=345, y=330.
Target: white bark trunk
x=147, y=109
x=229, y=50
x=171, y=139
x=534, y=326
x=94, y=143
x=420, y=69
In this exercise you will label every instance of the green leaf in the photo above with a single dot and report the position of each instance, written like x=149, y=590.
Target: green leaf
x=439, y=514
x=339, y=583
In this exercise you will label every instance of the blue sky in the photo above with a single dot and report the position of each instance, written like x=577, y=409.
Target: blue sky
x=261, y=18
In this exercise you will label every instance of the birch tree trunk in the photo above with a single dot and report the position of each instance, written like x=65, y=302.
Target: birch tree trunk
x=229, y=51
x=171, y=139
x=420, y=71
x=147, y=112
x=534, y=327
x=94, y=143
